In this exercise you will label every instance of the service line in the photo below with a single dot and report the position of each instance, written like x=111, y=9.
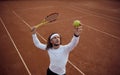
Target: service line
x=15, y=47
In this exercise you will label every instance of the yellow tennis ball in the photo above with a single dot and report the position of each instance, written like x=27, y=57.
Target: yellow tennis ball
x=76, y=23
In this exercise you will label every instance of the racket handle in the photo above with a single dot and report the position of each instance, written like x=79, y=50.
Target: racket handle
x=37, y=26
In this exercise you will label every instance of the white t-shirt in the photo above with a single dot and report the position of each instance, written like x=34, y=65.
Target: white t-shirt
x=58, y=57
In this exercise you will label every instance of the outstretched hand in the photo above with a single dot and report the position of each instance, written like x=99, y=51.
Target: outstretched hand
x=77, y=30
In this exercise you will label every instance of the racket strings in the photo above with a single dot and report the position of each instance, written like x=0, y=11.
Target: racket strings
x=52, y=17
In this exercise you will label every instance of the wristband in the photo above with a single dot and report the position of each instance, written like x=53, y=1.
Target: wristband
x=76, y=35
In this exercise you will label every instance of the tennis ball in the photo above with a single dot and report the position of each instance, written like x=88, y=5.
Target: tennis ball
x=76, y=23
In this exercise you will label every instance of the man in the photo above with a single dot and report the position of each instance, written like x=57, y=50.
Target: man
x=58, y=53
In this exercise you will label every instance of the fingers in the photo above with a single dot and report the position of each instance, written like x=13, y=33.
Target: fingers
x=33, y=30
x=78, y=28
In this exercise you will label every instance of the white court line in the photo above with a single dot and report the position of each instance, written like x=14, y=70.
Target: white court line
x=15, y=47
x=102, y=32
x=46, y=40
x=95, y=28
x=111, y=18
x=76, y=67
x=93, y=13
x=87, y=9
x=26, y=9
x=27, y=24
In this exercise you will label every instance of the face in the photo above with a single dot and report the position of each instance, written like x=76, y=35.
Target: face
x=55, y=40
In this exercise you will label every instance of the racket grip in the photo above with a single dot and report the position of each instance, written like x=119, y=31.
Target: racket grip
x=38, y=25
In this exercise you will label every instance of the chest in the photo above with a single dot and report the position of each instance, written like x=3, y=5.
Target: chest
x=58, y=54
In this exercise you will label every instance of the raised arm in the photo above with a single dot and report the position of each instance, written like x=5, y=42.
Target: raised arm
x=75, y=39
x=36, y=41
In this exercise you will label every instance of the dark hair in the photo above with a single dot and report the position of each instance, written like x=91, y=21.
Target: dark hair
x=49, y=44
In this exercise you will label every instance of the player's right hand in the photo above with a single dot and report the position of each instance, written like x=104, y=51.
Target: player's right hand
x=33, y=30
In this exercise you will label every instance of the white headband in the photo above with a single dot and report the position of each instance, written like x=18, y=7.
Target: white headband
x=54, y=35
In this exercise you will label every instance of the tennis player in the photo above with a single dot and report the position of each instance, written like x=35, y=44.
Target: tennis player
x=58, y=53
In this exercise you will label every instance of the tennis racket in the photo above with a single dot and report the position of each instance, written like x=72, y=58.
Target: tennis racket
x=50, y=18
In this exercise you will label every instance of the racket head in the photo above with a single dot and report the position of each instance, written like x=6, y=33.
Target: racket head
x=51, y=17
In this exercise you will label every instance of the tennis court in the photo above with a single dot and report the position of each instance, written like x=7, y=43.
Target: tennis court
x=96, y=54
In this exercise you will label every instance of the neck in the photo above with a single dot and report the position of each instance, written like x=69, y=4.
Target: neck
x=56, y=46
